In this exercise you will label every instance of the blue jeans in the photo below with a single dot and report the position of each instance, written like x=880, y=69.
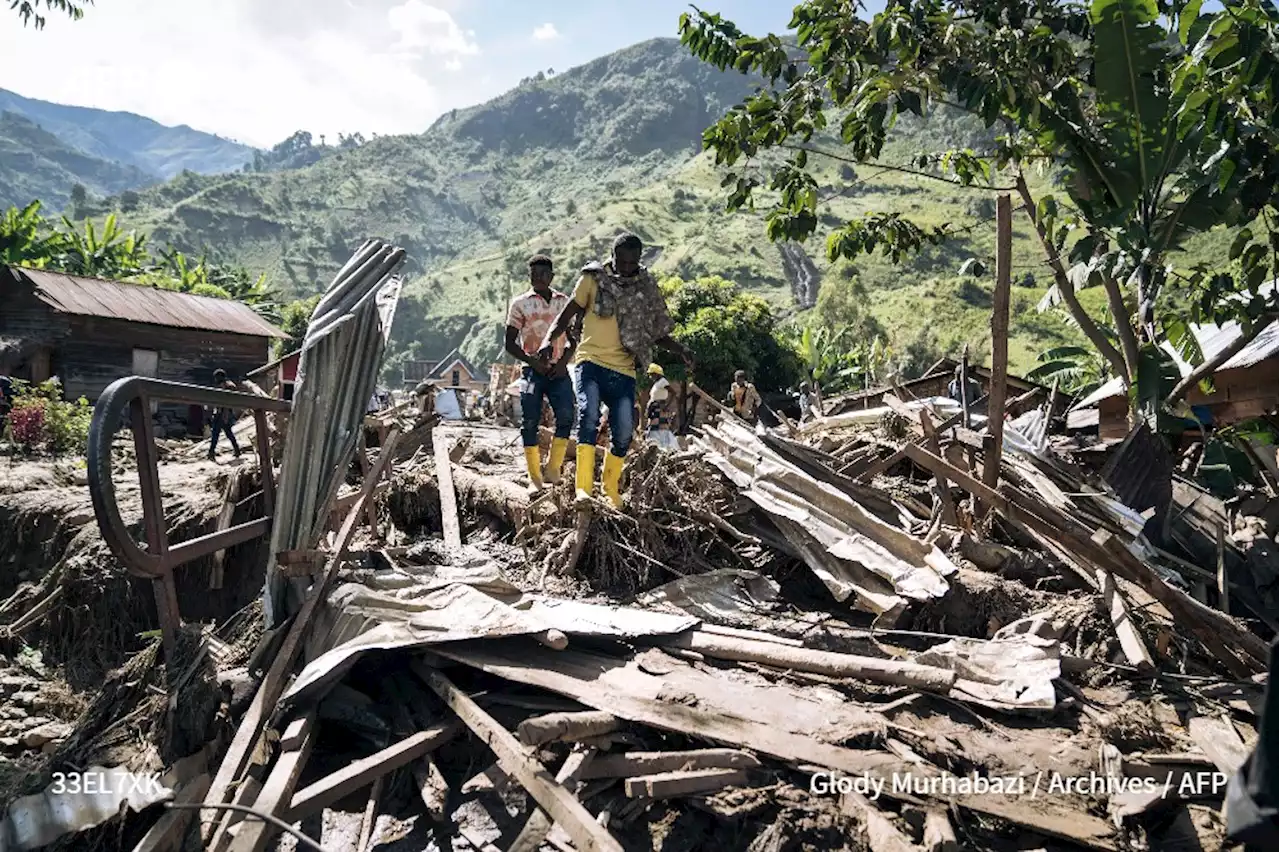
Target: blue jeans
x=221, y=424
x=558, y=391
x=596, y=384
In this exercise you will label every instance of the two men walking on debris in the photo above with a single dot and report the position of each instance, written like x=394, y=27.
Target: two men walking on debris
x=546, y=375
x=622, y=316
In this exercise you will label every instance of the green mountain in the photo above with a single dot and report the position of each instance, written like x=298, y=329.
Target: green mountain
x=559, y=165
x=132, y=140
x=36, y=164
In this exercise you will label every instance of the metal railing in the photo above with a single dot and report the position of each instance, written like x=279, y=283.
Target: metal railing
x=160, y=557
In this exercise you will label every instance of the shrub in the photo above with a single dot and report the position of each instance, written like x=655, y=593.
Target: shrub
x=40, y=418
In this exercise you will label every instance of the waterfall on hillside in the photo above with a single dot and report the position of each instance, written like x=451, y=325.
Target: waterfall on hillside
x=802, y=273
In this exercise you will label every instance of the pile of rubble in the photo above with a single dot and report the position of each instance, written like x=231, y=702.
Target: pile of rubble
x=879, y=630
x=855, y=646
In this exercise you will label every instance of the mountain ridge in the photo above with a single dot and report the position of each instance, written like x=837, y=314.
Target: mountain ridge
x=129, y=139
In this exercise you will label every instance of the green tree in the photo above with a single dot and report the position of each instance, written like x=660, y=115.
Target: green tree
x=26, y=238
x=728, y=330
x=1078, y=370
x=294, y=319
x=29, y=10
x=1161, y=121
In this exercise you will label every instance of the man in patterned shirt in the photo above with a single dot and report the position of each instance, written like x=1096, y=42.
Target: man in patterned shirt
x=529, y=318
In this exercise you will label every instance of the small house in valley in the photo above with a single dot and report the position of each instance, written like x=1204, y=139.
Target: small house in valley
x=89, y=332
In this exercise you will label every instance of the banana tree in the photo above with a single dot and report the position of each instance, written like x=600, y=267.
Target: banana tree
x=112, y=254
x=26, y=239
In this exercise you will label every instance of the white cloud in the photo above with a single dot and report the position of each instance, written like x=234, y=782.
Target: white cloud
x=224, y=67
x=421, y=25
x=545, y=32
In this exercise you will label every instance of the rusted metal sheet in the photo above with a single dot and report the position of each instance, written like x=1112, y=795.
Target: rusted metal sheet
x=160, y=558
x=95, y=297
x=1141, y=472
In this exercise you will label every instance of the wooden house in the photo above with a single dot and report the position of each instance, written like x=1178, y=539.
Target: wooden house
x=1244, y=387
x=278, y=377
x=89, y=332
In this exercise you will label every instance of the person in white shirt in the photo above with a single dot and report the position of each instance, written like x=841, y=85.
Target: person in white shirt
x=658, y=415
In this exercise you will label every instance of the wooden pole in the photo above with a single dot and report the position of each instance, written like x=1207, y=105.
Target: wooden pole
x=964, y=387
x=999, y=340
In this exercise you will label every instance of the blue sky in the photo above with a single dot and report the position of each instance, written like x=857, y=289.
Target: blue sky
x=256, y=70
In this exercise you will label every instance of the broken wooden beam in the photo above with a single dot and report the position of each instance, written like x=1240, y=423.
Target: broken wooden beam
x=539, y=823
x=273, y=684
x=895, y=672
x=939, y=835
x=656, y=762
x=168, y=832
x=559, y=727
x=992, y=461
x=277, y=790
x=587, y=834
x=365, y=771
x=882, y=834
x=1135, y=650
x=448, y=499
x=667, y=785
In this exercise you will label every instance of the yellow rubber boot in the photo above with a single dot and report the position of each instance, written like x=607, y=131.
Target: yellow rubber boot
x=586, y=474
x=555, y=461
x=611, y=477
x=533, y=462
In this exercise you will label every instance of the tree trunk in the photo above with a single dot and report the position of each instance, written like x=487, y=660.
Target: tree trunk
x=1065, y=287
x=1124, y=329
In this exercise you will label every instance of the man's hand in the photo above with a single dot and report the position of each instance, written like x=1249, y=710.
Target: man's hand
x=541, y=365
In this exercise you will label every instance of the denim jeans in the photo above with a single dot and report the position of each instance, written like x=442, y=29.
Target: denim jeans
x=594, y=385
x=558, y=391
x=221, y=424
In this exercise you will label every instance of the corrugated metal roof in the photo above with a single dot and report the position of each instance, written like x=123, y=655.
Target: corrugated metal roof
x=95, y=297
x=1213, y=339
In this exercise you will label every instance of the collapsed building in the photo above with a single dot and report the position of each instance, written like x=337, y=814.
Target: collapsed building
x=881, y=629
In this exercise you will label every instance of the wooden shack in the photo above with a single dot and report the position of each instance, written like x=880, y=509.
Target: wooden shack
x=278, y=377
x=89, y=332
x=1244, y=387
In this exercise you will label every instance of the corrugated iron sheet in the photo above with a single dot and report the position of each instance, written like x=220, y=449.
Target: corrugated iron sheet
x=94, y=297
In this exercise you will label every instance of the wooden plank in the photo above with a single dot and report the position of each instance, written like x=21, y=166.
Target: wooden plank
x=1219, y=741
x=278, y=788
x=939, y=836
x=448, y=499
x=1224, y=591
x=230, y=494
x=559, y=727
x=432, y=788
x=882, y=834
x=999, y=340
x=273, y=684
x=1135, y=650
x=539, y=823
x=941, y=486
x=587, y=834
x=365, y=771
x=895, y=672
x=656, y=762
x=667, y=785
x=168, y=832
x=370, y=815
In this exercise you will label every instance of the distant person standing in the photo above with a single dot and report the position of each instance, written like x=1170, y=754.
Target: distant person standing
x=974, y=390
x=658, y=414
x=529, y=318
x=744, y=397
x=223, y=418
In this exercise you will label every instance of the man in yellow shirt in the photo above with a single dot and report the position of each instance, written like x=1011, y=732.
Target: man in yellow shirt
x=623, y=316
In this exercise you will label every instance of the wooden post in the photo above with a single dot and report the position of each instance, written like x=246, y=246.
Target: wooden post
x=448, y=499
x=964, y=387
x=999, y=341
